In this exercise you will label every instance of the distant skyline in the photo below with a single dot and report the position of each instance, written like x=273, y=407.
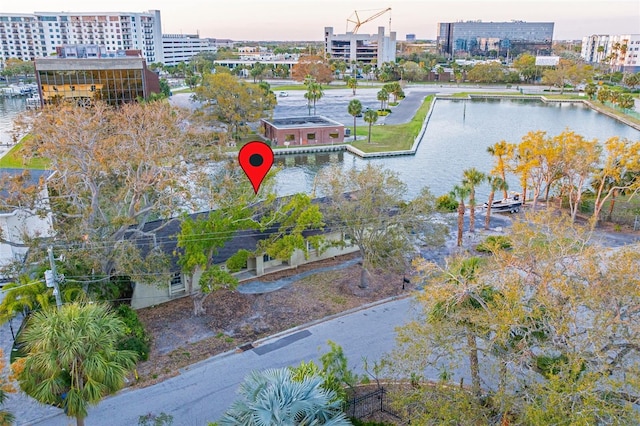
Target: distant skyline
x=304, y=20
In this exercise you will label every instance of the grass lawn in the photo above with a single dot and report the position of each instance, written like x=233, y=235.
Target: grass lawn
x=14, y=159
x=393, y=138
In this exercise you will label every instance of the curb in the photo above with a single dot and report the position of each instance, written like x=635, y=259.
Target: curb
x=292, y=330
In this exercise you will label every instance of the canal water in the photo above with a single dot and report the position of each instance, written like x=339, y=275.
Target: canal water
x=9, y=109
x=457, y=138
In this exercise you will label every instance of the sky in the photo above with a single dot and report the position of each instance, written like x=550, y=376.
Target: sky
x=305, y=19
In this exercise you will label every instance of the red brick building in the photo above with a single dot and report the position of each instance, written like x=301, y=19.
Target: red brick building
x=298, y=131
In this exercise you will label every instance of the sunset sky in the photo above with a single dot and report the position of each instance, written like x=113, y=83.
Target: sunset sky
x=306, y=19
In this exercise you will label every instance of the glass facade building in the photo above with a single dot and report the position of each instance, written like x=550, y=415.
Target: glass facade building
x=83, y=81
x=499, y=39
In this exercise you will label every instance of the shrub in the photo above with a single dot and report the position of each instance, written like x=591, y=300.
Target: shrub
x=494, y=243
x=446, y=203
x=238, y=261
x=136, y=338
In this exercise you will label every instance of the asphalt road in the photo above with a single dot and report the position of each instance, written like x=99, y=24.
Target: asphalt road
x=201, y=393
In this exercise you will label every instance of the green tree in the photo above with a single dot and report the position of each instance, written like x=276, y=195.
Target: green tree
x=370, y=116
x=352, y=83
x=492, y=72
x=273, y=397
x=383, y=97
x=472, y=178
x=354, y=109
x=632, y=80
x=72, y=360
x=232, y=102
x=525, y=63
x=394, y=89
x=369, y=205
x=237, y=208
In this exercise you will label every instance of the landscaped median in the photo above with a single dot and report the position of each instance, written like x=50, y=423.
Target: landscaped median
x=399, y=137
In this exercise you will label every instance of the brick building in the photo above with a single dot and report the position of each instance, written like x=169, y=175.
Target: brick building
x=298, y=131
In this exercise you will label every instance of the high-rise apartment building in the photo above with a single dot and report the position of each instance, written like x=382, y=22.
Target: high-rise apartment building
x=350, y=47
x=502, y=39
x=619, y=52
x=30, y=36
x=178, y=48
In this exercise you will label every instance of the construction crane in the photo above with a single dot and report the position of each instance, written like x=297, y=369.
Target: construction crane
x=358, y=23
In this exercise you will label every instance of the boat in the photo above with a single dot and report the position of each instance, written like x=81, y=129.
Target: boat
x=510, y=204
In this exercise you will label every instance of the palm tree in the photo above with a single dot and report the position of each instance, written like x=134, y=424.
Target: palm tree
x=471, y=178
x=460, y=192
x=272, y=397
x=370, y=116
x=465, y=296
x=497, y=184
x=383, y=97
x=503, y=151
x=352, y=83
x=314, y=93
x=72, y=358
x=355, y=109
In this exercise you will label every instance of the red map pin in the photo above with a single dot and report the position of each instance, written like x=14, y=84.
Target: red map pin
x=256, y=159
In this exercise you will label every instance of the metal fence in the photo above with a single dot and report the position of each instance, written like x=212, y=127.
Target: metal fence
x=368, y=404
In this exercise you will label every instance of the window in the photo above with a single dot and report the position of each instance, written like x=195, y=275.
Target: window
x=334, y=135
x=266, y=258
x=290, y=138
x=311, y=136
x=176, y=285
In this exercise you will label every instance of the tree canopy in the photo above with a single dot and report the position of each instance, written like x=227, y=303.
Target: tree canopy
x=314, y=66
x=369, y=205
x=543, y=329
x=234, y=102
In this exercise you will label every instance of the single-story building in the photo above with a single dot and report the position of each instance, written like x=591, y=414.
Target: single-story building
x=298, y=131
x=258, y=264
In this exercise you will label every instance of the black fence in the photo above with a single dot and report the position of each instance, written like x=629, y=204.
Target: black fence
x=368, y=404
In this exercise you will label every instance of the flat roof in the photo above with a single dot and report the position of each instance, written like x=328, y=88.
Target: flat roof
x=72, y=64
x=302, y=122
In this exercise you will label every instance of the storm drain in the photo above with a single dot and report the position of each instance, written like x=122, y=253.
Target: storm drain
x=246, y=347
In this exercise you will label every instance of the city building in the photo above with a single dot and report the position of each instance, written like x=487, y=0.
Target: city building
x=178, y=48
x=499, y=39
x=37, y=35
x=619, y=52
x=298, y=131
x=364, y=48
x=81, y=80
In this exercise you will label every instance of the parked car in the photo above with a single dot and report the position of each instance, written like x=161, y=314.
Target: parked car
x=283, y=94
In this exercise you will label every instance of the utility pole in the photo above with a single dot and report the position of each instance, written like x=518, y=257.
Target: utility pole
x=51, y=278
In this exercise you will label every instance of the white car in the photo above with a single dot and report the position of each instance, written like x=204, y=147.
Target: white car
x=283, y=94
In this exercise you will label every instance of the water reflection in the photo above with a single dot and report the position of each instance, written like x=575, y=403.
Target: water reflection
x=457, y=138
x=9, y=110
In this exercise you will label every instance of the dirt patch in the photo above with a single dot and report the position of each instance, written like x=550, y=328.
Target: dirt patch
x=234, y=319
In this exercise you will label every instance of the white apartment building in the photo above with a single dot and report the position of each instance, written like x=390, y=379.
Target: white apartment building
x=620, y=52
x=178, y=48
x=30, y=36
x=365, y=48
